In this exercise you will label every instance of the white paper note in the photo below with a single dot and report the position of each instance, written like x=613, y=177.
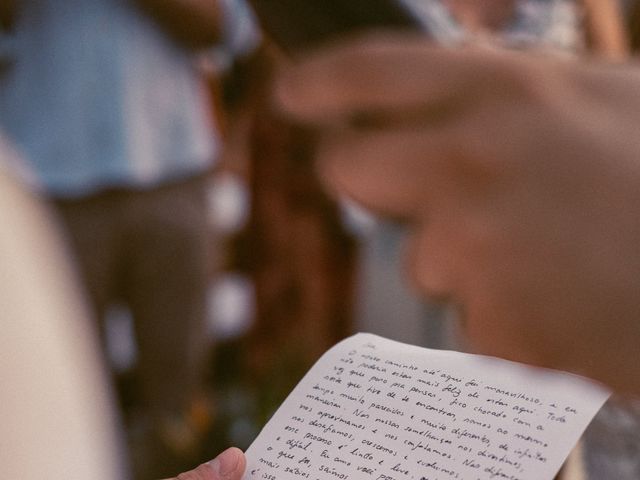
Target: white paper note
x=376, y=409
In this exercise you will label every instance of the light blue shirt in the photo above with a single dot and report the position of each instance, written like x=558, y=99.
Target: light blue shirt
x=98, y=97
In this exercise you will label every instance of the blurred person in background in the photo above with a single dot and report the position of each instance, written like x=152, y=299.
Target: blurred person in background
x=105, y=101
x=605, y=28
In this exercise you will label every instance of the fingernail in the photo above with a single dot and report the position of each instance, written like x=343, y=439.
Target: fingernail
x=226, y=462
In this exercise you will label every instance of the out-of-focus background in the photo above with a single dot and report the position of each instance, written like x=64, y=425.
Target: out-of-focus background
x=288, y=270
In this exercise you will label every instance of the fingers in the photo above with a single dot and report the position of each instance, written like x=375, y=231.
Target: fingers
x=386, y=172
x=401, y=116
x=229, y=465
x=393, y=75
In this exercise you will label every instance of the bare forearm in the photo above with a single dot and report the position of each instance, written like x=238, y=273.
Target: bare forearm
x=606, y=30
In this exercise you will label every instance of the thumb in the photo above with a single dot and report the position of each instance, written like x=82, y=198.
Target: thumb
x=229, y=465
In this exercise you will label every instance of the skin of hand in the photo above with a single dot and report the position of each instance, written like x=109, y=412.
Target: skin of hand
x=518, y=177
x=229, y=465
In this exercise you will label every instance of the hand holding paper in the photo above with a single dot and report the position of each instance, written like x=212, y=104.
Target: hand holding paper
x=372, y=408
